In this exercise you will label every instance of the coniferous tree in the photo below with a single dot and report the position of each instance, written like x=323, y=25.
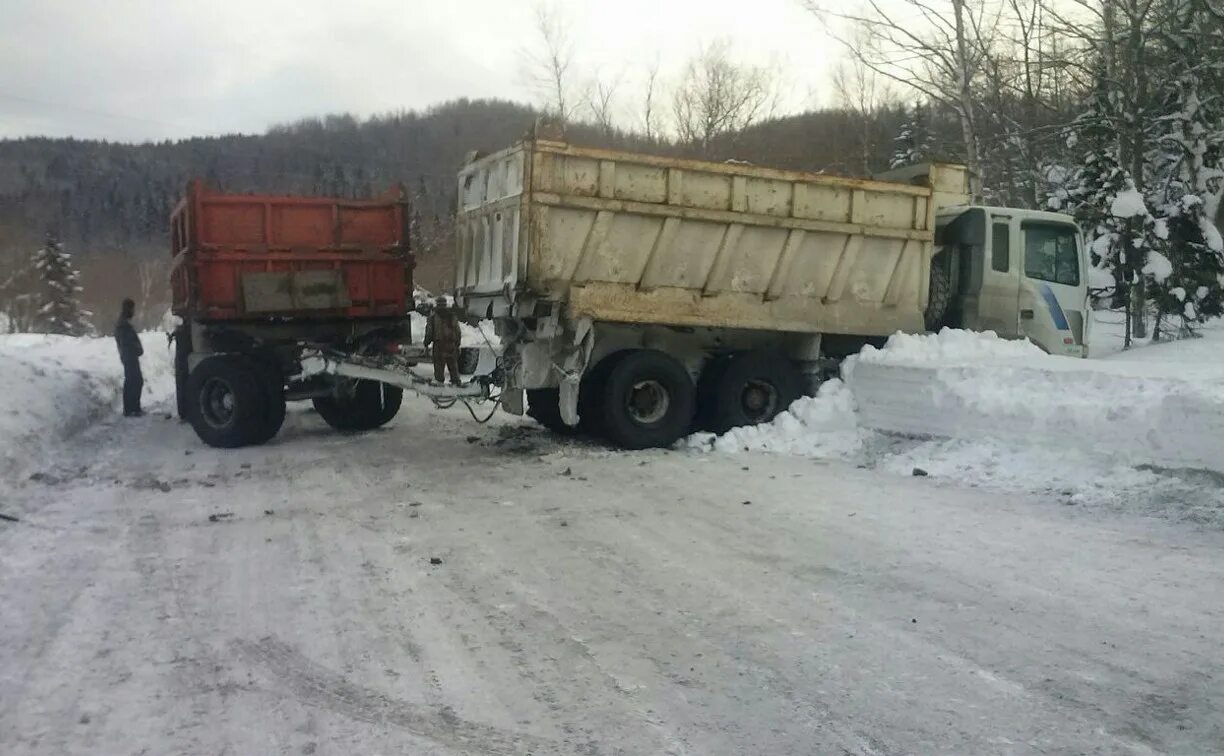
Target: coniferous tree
x=59, y=307
x=1189, y=168
x=912, y=144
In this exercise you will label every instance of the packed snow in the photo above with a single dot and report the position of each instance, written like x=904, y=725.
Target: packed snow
x=1158, y=266
x=1128, y=204
x=1211, y=234
x=451, y=588
x=446, y=588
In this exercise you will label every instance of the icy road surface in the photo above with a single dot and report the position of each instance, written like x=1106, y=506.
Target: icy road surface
x=160, y=597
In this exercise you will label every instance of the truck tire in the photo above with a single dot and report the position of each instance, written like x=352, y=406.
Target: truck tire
x=941, y=292
x=543, y=406
x=273, y=384
x=705, y=416
x=749, y=388
x=227, y=402
x=591, y=395
x=371, y=405
x=182, y=351
x=648, y=400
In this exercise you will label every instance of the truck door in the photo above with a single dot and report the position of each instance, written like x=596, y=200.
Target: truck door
x=1000, y=294
x=1053, y=289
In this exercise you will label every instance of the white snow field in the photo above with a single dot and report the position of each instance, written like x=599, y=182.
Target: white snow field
x=161, y=597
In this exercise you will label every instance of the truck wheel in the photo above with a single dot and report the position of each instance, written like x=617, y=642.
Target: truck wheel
x=648, y=400
x=942, y=291
x=371, y=404
x=591, y=395
x=273, y=385
x=182, y=351
x=751, y=388
x=706, y=416
x=227, y=403
x=543, y=406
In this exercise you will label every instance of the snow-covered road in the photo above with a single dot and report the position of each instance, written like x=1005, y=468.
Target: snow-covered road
x=161, y=597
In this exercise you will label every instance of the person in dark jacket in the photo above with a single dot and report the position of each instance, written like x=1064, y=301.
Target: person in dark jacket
x=442, y=331
x=130, y=351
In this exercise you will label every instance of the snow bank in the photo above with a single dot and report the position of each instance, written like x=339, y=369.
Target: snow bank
x=950, y=347
x=981, y=410
x=821, y=426
x=54, y=386
x=976, y=385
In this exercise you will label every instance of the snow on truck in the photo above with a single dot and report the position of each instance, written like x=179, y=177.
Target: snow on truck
x=642, y=296
x=635, y=296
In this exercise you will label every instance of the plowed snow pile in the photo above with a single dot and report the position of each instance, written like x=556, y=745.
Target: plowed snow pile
x=53, y=386
x=1143, y=427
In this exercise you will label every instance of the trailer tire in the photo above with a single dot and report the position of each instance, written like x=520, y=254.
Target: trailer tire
x=182, y=353
x=273, y=384
x=227, y=402
x=384, y=404
x=648, y=400
x=371, y=405
x=749, y=388
x=942, y=291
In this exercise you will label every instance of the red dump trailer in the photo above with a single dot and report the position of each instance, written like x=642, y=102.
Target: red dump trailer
x=245, y=257
x=263, y=283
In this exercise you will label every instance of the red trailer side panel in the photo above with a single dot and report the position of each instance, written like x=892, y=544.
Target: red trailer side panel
x=250, y=257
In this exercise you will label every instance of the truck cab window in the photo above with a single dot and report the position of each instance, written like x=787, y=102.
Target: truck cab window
x=1050, y=253
x=1000, y=247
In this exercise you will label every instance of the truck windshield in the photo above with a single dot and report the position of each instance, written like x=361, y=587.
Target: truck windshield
x=1050, y=253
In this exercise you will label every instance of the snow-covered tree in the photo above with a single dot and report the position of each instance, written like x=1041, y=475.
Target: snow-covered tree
x=913, y=143
x=1189, y=165
x=1133, y=252
x=1088, y=190
x=59, y=308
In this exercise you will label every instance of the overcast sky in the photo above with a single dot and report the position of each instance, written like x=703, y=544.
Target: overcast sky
x=135, y=70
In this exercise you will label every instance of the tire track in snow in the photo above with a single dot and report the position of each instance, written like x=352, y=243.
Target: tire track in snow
x=316, y=685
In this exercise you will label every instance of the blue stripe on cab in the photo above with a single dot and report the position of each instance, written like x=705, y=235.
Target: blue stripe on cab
x=1056, y=311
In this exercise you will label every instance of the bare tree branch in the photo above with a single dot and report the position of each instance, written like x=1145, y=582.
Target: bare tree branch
x=548, y=67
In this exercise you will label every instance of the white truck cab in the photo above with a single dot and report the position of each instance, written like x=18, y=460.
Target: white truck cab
x=1019, y=273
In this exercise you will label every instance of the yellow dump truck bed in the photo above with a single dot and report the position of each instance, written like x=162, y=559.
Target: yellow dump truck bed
x=625, y=237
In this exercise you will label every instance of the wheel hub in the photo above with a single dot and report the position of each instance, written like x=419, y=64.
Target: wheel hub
x=648, y=402
x=759, y=400
x=217, y=403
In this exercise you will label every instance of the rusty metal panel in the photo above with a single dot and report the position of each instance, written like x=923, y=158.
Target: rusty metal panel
x=219, y=240
x=294, y=290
